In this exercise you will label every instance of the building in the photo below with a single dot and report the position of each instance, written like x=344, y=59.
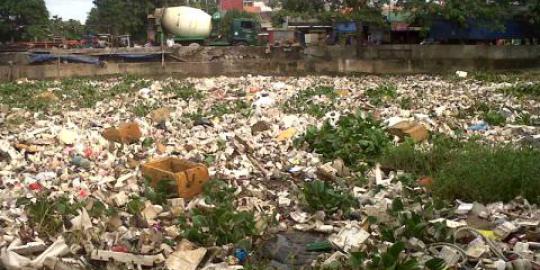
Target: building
x=225, y=5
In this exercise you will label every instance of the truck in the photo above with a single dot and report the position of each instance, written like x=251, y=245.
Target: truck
x=186, y=25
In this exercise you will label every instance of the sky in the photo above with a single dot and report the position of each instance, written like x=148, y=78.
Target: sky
x=69, y=9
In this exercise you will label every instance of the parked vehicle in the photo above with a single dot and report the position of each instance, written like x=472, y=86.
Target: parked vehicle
x=187, y=25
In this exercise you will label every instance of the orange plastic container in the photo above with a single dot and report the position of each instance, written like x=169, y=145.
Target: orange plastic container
x=189, y=176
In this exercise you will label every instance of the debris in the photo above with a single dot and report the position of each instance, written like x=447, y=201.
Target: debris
x=189, y=176
x=128, y=258
x=286, y=134
x=505, y=229
x=462, y=74
x=12, y=260
x=480, y=126
x=241, y=255
x=126, y=133
x=416, y=131
x=450, y=256
x=82, y=222
x=160, y=115
x=67, y=136
x=28, y=248
x=186, y=257
x=349, y=238
x=259, y=127
x=66, y=177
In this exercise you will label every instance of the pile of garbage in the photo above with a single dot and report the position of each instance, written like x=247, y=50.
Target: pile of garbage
x=161, y=177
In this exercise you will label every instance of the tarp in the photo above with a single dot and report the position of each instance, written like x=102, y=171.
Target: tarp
x=41, y=58
x=346, y=27
x=475, y=30
x=139, y=57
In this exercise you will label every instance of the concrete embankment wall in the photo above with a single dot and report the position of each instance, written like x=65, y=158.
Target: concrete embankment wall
x=398, y=59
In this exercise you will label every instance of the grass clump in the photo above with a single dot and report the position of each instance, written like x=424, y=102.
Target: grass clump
x=381, y=94
x=305, y=101
x=320, y=195
x=470, y=170
x=524, y=90
x=221, y=224
x=354, y=138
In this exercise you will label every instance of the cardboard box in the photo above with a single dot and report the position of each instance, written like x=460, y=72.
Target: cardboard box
x=189, y=176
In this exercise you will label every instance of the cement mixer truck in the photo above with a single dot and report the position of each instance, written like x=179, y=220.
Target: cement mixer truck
x=186, y=25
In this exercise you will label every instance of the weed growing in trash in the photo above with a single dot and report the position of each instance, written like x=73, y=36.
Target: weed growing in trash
x=494, y=118
x=382, y=93
x=354, y=138
x=406, y=103
x=46, y=215
x=494, y=77
x=221, y=224
x=165, y=189
x=135, y=206
x=76, y=92
x=236, y=106
x=23, y=95
x=471, y=170
x=525, y=119
x=142, y=109
x=393, y=258
x=183, y=91
x=304, y=101
x=524, y=90
x=320, y=195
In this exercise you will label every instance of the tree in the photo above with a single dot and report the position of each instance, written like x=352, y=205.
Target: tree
x=130, y=16
x=23, y=19
x=493, y=13
x=70, y=29
x=119, y=17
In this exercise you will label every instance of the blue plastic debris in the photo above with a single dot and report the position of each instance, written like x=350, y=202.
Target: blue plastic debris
x=480, y=126
x=241, y=254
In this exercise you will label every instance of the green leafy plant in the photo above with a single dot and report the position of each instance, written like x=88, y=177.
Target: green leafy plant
x=221, y=224
x=354, y=138
x=391, y=259
x=164, y=190
x=320, y=195
x=494, y=118
x=406, y=103
x=183, y=91
x=135, y=206
x=521, y=90
x=436, y=264
x=142, y=109
x=304, y=101
x=382, y=93
x=525, y=119
x=47, y=214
